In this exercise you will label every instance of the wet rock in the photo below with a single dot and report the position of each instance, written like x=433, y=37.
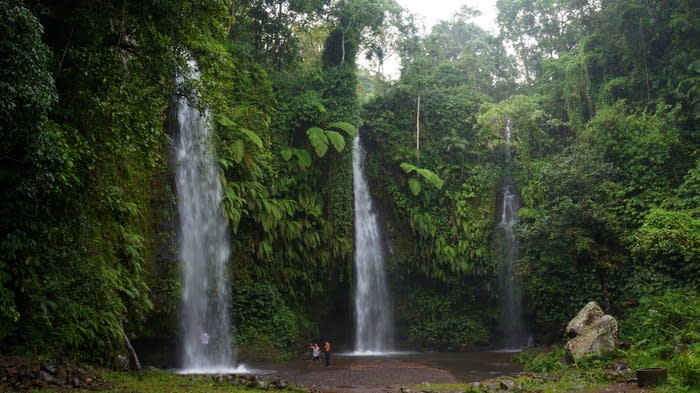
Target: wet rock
x=507, y=384
x=252, y=381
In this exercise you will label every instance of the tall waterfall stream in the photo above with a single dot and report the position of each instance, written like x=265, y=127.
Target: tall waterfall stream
x=373, y=311
x=512, y=315
x=204, y=245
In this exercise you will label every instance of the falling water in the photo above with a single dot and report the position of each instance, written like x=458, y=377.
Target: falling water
x=204, y=248
x=513, y=330
x=373, y=314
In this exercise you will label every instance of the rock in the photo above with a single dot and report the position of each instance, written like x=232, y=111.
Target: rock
x=595, y=331
x=121, y=363
x=253, y=381
x=590, y=313
x=50, y=368
x=507, y=384
x=46, y=377
x=76, y=382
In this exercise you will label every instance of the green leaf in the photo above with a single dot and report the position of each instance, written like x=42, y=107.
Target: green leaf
x=408, y=168
x=319, y=140
x=253, y=137
x=344, y=126
x=304, y=158
x=226, y=121
x=237, y=151
x=337, y=140
x=286, y=154
x=431, y=177
x=414, y=185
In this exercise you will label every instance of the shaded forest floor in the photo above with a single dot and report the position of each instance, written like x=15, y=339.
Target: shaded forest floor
x=399, y=376
x=367, y=375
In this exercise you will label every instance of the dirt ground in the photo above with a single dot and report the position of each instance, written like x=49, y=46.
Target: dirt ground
x=391, y=376
x=373, y=375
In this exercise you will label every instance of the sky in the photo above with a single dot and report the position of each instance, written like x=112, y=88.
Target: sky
x=435, y=10
x=430, y=12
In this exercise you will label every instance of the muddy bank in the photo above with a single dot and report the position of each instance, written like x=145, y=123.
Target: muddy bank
x=365, y=375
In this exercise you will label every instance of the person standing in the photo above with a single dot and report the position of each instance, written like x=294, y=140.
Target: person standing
x=327, y=352
x=315, y=354
x=204, y=339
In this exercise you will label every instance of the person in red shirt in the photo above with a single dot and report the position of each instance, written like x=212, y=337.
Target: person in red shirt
x=327, y=352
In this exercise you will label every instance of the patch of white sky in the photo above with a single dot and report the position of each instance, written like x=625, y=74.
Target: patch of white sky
x=431, y=12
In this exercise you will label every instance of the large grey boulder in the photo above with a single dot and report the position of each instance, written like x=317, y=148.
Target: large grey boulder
x=595, y=332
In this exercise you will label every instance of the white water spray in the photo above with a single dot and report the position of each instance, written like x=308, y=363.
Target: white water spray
x=513, y=330
x=373, y=313
x=204, y=245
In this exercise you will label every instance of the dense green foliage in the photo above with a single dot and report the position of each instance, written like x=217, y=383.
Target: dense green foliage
x=602, y=99
x=88, y=243
x=603, y=113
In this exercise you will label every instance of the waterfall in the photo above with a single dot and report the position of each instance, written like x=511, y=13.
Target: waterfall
x=373, y=313
x=511, y=296
x=203, y=243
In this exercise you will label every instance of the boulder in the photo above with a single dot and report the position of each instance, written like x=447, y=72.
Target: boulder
x=596, y=332
x=585, y=318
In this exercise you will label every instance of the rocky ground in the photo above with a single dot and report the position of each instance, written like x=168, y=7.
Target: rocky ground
x=397, y=376
x=381, y=375
x=22, y=374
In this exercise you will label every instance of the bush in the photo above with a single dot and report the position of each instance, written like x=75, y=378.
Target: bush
x=665, y=330
x=539, y=361
x=264, y=324
x=664, y=320
x=687, y=367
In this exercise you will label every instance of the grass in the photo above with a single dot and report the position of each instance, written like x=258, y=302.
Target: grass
x=167, y=382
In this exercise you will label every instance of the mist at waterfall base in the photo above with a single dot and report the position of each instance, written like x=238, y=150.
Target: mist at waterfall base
x=514, y=334
x=374, y=333
x=203, y=245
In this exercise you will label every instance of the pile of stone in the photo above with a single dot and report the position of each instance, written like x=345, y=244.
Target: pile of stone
x=22, y=374
x=252, y=381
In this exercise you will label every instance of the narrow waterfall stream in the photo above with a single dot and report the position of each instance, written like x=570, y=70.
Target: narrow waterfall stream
x=511, y=296
x=204, y=245
x=373, y=312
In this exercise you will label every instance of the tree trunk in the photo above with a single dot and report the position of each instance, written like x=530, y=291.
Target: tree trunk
x=342, y=46
x=134, y=357
x=418, y=129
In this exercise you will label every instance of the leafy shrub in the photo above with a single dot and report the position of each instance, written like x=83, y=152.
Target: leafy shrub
x=541, y=361
x=664, y=320
x=435, y=321
x=263, y=321
x=665, y=330
x=687, y=367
